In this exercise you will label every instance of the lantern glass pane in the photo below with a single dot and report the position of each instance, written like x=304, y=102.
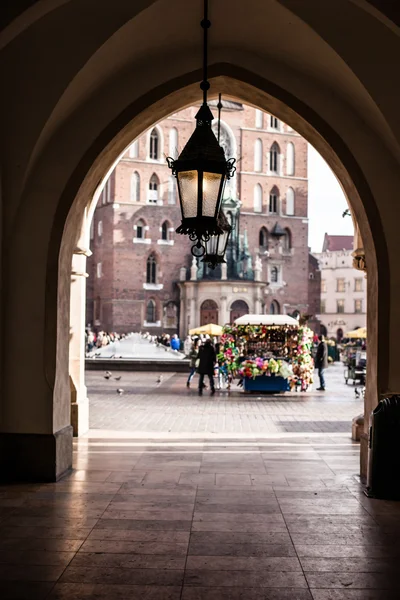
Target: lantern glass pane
x=212, y=245
x=223, y=238
x=188, y=193
x=211, y=187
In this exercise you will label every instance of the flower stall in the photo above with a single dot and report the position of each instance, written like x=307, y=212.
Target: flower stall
x=270, y=353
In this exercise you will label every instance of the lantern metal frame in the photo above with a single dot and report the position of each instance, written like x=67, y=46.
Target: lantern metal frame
x=202, y=155
x=215, y=247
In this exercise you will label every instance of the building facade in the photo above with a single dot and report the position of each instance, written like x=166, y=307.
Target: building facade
x=343, y=288
x=142, y=275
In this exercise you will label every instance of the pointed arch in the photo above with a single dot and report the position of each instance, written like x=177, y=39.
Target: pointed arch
x=154, y=189
x=154, y=148
x=287, y=239
x=290, y=159
x=274, y=158
x=135, y=187
x=290, y=208
x=258, y=155
x=259, y=118
x=273, y=206
x=165, y=231
x=258, y=198
x=173, y=142
x=140, y=229
x=134, y=149
x=263, y=238
x=151, y=269
x=151, y=311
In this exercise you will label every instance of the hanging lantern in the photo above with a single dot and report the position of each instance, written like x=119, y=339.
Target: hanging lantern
x=216, y=245
x=201, y=171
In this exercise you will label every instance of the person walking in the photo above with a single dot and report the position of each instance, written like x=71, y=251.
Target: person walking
x=321, y=362
x=193, y=356
x=207, y=359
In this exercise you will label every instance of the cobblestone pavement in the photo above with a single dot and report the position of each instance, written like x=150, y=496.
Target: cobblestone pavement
x=224, y=498
x=148, y=407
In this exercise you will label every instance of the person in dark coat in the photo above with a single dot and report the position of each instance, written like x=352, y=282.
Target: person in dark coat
x=321, y=362
x=207, y=360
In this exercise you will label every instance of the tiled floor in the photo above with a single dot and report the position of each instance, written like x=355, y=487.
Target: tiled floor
x=273, y=516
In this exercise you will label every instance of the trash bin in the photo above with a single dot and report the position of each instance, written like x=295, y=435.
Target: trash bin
x=384, y=450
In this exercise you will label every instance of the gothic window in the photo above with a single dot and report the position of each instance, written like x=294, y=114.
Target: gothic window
x=273, y=122
x=225, y=140
x=263, y=238
x=290, y=162
x=258, y=155
x=151, y=271
x=173, y=142
x=274, y=158
x=154, y=145
x=257, y=198
x=140, y=230
x=290, y=202
x=171, y=190
x=274, y=274
x=151, y=311
x=274, y=201
x=153, y=189
x=134, y=149
x=135, y=187
x=259, y=119
x=274, y=308
x=287, y=240
x=165, y=231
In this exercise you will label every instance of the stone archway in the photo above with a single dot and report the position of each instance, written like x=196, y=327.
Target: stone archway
x=92, y=115
x=208, y=312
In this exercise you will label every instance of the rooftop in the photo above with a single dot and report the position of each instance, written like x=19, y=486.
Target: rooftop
x=334, y=243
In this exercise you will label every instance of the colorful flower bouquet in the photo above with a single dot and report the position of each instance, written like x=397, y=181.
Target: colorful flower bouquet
x=294, y=345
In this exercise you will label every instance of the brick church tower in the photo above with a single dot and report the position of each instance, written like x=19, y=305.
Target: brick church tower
x=142, y=275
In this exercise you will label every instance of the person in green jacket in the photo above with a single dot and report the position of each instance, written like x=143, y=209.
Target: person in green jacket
x=193, y=356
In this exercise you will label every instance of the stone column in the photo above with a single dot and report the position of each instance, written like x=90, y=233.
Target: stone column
x=224, y=317
x=79, y=399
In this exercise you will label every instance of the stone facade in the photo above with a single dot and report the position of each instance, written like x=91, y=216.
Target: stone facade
x=140, y=265
x=343, y=288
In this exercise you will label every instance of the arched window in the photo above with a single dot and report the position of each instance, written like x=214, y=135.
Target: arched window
x=165, y=231
x=273, y=207
x=274, y=158
x=140, y=230
x=153, y=189
x=134, y=149
x=173, y=142
x=259, y=119
x=273, y=122
x=151, y=270
x=154, y=145
x=274, y=308
x=171, y=190
x=135, y=187
x=290, y=161
x=263, y=238
x=151, y=311
x=290, y=201
x=274, y=274
x=258, y=155
x=238, y=309
x=287, y=240
x=258, y=198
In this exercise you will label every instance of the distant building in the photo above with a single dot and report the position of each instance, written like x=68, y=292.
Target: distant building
x=343, y=288
x=142, y=274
